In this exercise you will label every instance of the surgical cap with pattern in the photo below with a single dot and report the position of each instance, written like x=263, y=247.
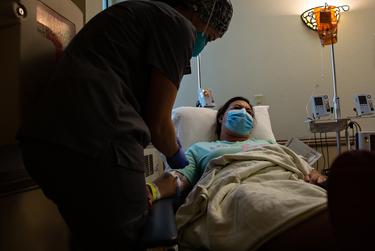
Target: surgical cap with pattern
x=221, y=15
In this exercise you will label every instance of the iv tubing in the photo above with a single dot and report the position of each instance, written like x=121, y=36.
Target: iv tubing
x=336, y=100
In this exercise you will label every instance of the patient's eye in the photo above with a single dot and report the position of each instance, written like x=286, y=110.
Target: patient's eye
x=248, y=110
x=237, y=107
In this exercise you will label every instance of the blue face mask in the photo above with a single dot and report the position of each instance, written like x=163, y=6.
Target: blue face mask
x=239, y=122
x=200, y=43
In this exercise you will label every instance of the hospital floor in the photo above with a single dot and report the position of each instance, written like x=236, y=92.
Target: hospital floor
x=29, y=221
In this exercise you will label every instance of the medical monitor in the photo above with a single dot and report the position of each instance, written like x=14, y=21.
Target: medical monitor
x=363, y=104
x=320, y=106
x=33, y=35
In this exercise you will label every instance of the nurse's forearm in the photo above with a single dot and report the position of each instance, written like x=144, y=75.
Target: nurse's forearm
x=163, y=137
x=157, y=113
x=165, y=141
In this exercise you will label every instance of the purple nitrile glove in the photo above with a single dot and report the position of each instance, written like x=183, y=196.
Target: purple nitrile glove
x=178, y=142
x=178, y=160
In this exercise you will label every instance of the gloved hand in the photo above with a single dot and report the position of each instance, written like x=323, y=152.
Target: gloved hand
x=178, y=160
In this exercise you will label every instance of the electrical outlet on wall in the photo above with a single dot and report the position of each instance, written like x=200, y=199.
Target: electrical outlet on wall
x=259, y=99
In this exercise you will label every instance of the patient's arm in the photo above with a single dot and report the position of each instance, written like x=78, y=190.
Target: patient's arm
x=167, y=184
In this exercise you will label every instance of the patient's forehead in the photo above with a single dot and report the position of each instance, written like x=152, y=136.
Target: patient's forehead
x=239, y=103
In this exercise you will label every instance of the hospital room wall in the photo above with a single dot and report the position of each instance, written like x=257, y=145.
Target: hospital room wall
x=89, y=8
x=268, y=50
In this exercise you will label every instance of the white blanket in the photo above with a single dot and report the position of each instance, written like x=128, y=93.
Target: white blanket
x=243, y=200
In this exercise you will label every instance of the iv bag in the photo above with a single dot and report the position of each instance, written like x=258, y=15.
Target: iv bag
x=327, y=24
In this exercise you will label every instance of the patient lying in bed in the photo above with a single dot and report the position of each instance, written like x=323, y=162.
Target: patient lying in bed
x=248, y=193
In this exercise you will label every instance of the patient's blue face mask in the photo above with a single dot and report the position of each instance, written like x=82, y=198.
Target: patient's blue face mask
x=200, y=43
x=239, y=122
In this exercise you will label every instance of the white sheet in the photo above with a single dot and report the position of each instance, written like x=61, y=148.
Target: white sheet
x=244, y=199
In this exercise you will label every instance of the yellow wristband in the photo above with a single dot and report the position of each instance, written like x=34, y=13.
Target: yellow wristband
x=154, y=191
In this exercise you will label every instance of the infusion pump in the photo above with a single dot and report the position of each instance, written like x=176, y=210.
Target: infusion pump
x=363, y=104
x=320, y=106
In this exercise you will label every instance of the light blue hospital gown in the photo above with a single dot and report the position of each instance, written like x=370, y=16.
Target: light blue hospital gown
x=199, y=154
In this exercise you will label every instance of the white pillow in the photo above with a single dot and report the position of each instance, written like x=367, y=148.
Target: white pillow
x=194, y=124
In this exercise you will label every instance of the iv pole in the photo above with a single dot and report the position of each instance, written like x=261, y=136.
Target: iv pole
x=205, y=96
x=199, y=72
x=308, y=17
x=199, y=80
x=336, y=99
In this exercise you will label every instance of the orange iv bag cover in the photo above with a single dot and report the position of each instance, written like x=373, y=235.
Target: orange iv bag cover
x=327, y=24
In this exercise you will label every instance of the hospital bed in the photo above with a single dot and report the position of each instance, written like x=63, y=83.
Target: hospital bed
x=198, y=124
x=192, y=124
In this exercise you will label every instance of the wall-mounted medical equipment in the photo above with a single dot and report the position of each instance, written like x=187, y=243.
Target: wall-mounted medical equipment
x=363, y=104
x=33, y=35
x=365, y=140
x=205, y=98
x=320, y=106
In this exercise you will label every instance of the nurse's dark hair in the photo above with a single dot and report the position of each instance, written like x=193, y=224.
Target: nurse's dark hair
x=172, y=3
x=224, y=108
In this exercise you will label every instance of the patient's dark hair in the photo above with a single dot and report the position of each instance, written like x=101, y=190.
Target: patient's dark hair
x=223, y=109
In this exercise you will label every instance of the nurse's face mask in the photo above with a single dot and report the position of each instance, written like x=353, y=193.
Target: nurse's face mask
x=200, y=43
x=239, y=122
x=200, y=37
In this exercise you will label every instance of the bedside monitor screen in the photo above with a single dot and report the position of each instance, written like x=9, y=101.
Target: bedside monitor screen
x=362, y=100
x=318, y=101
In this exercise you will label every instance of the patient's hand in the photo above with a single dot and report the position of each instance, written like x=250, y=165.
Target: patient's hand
x=167, y=183
x=314, y=177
